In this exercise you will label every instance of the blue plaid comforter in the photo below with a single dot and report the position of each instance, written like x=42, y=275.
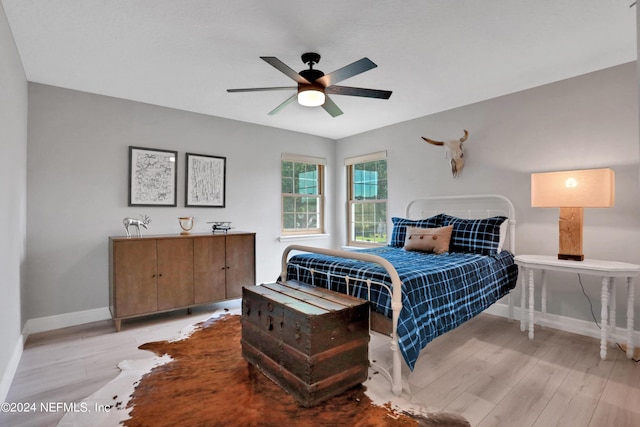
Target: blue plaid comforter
x=440, y=292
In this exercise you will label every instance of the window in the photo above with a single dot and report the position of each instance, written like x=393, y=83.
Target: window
x=302, y=191
x=367, y=193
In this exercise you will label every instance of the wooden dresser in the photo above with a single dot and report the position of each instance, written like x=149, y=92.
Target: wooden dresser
x=152, y=274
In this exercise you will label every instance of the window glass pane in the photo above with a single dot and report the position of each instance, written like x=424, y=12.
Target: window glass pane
x=287, y=169
x=381, y=168
x=312, y=220
x=369, y=222
x=298, y=171
x=287, y=185
x=288, y=204
x=381, y=213
x=287, y=177
x=312, y=204
x=370, y=180
x=288, y=221
x=308, y=180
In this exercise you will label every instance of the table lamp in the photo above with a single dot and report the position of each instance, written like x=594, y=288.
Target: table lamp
x=571, y=191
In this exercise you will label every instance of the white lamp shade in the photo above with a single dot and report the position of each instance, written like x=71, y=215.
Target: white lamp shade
x=587, y=188
x=310, y=97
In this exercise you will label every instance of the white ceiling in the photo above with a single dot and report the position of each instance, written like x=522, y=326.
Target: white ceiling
x=433, y=54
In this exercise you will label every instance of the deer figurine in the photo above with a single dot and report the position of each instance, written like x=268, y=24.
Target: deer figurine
x=453, y=150
x=128, y=222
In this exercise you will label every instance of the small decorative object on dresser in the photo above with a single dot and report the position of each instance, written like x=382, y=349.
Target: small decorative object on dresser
x=128, y=222
x=223, y=226
x=186, y=223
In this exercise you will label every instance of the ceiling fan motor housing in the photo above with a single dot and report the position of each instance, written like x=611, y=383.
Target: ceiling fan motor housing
x=311, y=75
x=311, y=57
x=311, y=94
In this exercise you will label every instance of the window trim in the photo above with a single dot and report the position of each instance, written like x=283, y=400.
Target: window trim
x=366, y=158
x=350, y=163
x=321, y=164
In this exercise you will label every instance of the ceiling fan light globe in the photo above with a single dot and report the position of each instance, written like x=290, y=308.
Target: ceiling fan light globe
x=311, y=98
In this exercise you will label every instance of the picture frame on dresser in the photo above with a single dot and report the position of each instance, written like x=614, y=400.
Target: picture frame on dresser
x=153, y=178
x=205, y=182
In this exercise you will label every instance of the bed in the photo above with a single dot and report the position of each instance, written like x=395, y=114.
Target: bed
x=416, y=296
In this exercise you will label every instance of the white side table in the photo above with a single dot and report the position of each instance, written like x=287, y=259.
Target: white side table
x=608, y=270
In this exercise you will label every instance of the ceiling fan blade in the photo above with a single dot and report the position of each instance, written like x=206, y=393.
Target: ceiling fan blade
x=358, y=91
x=260, y=89
x=331, y=107
x=284, y=104
x=285, y=69
x=353, y=69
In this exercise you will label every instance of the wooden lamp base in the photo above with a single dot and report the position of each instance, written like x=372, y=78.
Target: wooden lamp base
x=570, y=236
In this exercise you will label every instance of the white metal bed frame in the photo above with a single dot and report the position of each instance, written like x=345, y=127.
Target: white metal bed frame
x=467, y=206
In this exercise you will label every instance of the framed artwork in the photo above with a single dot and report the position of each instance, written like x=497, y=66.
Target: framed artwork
x=152, y=177
x=205, y=182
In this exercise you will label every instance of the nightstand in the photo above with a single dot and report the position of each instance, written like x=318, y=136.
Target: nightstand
x=607, y=270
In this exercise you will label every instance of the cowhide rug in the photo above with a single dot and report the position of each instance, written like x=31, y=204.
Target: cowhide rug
x=201, y=379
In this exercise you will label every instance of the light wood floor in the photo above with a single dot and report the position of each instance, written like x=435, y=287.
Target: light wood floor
x=486, y=370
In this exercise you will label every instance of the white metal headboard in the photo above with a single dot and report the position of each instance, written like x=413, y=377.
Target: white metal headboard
x=469, y=207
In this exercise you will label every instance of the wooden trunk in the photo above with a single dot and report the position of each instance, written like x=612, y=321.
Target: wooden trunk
x=310, y=341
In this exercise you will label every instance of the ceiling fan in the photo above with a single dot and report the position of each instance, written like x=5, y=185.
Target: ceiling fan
x=314, y=86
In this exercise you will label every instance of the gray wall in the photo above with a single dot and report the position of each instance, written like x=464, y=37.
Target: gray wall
x=13, y=201
x=586, y=122
x=77, y=187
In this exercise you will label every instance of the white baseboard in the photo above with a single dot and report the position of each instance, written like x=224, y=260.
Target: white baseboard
x=567, y=324
x=49, y=323
x=11, y=368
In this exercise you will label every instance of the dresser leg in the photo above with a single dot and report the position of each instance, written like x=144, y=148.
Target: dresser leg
x=118, y=323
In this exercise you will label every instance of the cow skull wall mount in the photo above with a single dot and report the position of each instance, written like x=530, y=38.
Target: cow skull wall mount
x=453, y=151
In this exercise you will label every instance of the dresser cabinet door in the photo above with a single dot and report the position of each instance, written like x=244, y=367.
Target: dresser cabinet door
x=209, y=269
x=134, y=270
x=175, y=273
x=241, y=262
